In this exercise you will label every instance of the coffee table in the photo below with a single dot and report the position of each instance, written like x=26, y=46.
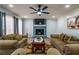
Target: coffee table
x=38, y=46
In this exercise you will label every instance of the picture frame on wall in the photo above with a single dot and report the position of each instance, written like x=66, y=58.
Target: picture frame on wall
x=77, y=21
x=73, y=22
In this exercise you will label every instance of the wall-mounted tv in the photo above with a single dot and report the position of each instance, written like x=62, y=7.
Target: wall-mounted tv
x=39, y=21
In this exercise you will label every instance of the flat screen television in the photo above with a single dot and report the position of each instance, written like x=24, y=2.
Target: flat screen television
x=39, y=21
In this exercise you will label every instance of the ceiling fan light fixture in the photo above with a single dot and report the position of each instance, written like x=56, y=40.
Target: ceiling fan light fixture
x=39, y=13
x=41, y=10
x=53, y=16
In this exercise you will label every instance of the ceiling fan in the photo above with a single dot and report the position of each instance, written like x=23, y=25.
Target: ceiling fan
x=40, y=10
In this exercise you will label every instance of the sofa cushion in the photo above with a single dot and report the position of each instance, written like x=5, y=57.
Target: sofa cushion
x=18, y=37
x=8, y=44
x=7, y=37
x=12, y=37
x=55, y=36
x=73, y=38
x=66, y=38
x=62, y=36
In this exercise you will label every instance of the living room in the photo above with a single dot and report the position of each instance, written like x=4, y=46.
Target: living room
x=26, y=23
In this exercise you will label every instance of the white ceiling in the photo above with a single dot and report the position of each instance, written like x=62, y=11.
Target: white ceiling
x=54, y=9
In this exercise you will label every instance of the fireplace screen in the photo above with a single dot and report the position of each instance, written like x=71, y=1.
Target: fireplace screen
x=39, y=31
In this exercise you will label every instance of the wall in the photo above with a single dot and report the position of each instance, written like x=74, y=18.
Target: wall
x=62, y=24
x=51, y=26
x=28, y=26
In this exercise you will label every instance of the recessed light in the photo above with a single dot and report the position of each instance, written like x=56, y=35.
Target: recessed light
x=67, y=6
x=69, y=16
x=25, y=16
x=53, y=16
x=10, y=5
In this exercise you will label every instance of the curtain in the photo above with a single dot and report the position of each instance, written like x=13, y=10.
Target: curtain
x=15, y=25
x=2, y=23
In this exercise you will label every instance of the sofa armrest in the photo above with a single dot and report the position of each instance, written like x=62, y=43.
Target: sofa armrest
x=22, y=42
x=8, y=44
x=72, y=49
x=19, y=51
x=53, y=51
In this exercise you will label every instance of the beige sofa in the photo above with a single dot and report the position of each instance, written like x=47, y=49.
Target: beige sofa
x=11, y=43
x=60, y=40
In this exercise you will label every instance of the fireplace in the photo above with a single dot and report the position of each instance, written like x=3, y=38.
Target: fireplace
x=39, y=28
x=39, y=32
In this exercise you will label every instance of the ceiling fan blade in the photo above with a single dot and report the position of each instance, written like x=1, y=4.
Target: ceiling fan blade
x=33, y=12
x=46, y=12
x=45, y=8
x=39, y=7
x=33, y=8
